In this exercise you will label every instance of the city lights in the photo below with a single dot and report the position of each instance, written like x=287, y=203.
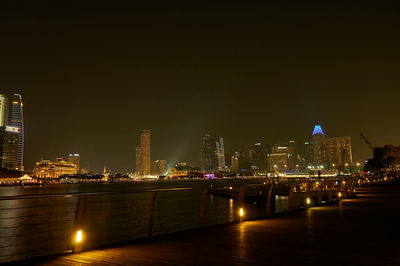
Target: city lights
x=241, y=212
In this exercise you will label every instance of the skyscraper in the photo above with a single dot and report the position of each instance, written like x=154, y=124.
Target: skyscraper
x=3, y=111
x=143, y=162
x=17, y=121
x=209, y=155
x=139, y=161
x=9, y=147
x=331, y=153
x=220, y=151
x=318, y=137
x=259, y=157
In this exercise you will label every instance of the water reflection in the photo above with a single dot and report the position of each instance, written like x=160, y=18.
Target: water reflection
x=231, y=210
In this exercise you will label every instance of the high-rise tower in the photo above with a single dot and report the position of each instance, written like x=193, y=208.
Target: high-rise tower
x=318, y=139
x=17, y=121
x=209, y=158
x=145, y=151
x=3, y=111
x=220, y=149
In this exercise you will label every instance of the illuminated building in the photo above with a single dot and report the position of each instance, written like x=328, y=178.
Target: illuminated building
x=240, y=163
x=279, y=161
x=49, y=169
x=235, y=163
x=308, y=153
x=337, y=153
x=17, y=120
x=139, y=162
x=3, y=111
x=209, y=158
x=220, y=152
x=283, y=157
x=143, y=162
x=258, y=157
x=330, y=153
x=9, y=147
x=182, y=170
x=318, y=137
x=75, y=159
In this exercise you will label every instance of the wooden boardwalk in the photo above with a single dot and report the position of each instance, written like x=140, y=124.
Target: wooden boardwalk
x=359, y=231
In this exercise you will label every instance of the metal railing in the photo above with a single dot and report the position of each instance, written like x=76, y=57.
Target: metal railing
x=47, y=224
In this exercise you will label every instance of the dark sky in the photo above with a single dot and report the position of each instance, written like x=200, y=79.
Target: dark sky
x=94, y=74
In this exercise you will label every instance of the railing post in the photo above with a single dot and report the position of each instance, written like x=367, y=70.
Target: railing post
x=330, y=190
x=79, y=221
x=76, y=218
x=151, y=215
x=203, y=200
x=290, y=207
x=269, y=196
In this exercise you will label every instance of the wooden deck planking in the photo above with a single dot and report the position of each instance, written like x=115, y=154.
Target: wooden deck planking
x=356, y=231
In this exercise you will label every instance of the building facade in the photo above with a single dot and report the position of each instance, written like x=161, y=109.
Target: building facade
x=17, y=120
x=9, y=147
x=143, y=156
x=12, y=125
x=3, y=111
x=74, y=158
x=209, y=160
x=220, y=152
x=258, y=158
x=49, y=169
x=139, y=161
x=334, y=153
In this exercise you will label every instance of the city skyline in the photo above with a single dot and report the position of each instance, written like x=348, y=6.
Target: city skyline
x=93, y=75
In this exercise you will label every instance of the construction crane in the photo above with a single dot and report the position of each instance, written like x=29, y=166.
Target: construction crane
x=366, y=141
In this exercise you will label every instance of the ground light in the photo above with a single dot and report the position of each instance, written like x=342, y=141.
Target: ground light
x=308, y=201
x=79, y=236
x=241, y=212
x=340, y=195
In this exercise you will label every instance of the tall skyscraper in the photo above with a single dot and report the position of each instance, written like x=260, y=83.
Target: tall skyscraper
x=259, y=157
x=318, y=137
x=143, y=162
x=3, y=111
x=9, y=147
x=220, y=151
x=209, y=155
x=331, y=153
x=139, y=161
x=17, y=120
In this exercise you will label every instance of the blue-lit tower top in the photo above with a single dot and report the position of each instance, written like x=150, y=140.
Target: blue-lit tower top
x=318, y=130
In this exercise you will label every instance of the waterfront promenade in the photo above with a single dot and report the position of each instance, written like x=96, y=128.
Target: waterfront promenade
x=363, y=230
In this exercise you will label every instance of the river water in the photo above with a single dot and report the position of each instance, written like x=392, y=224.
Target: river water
x=43, y=226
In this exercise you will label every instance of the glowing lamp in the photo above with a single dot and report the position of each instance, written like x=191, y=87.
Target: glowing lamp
x=241, y=212
x=79, y=236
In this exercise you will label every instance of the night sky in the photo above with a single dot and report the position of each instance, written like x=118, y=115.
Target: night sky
x=94, y=74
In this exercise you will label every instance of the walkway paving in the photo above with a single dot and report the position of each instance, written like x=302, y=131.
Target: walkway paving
x=359, y=231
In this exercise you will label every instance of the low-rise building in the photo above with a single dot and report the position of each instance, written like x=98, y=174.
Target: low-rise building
x=49, y=169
